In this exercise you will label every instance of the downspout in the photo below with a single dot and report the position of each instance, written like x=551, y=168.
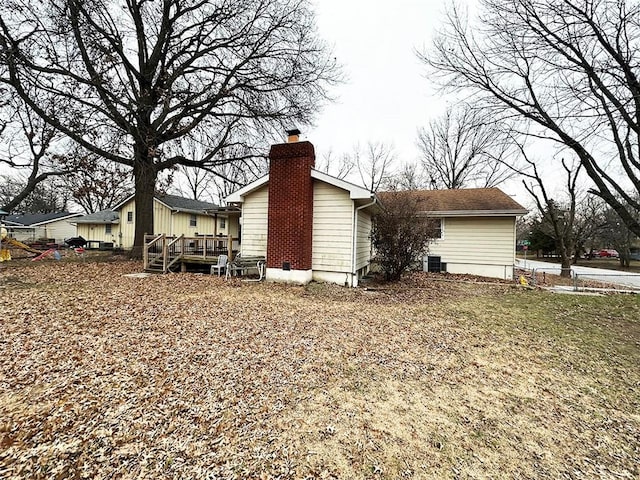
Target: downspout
x=354, y=236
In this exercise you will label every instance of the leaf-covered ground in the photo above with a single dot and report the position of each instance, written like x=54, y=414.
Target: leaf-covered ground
x=189, y=376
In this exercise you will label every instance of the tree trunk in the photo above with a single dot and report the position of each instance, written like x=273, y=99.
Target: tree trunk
x=145, y=175
x=565, y=258
x=576, y=255
x=566, y=267
x=624, y=257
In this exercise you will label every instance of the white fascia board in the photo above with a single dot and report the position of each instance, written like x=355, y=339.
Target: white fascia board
x=476, y=213
x=355, y=192
x=72, y=215
x=128, y=199
x=173, y=209
x=238, y=195
x=124, y=202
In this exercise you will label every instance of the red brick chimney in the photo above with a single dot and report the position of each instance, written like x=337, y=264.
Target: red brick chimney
x=290, y=214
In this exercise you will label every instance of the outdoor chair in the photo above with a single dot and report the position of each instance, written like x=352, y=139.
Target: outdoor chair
x=221, y=266
x=241, y=265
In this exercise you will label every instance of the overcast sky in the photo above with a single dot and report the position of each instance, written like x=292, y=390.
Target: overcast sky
x=386, y=96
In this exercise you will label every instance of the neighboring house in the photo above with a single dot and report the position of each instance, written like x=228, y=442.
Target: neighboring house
x=308, y=225
x=31, y=227
x=173, y=215
x=477, y=232
x=100, y=229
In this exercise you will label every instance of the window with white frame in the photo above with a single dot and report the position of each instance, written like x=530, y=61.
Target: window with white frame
x=129, y=217
x=223, y=223
x=107, y=229
x=193, y=220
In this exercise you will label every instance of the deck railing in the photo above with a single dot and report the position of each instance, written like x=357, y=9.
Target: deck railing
x=163, y=251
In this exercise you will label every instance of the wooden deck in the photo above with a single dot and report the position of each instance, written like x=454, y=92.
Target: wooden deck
x=165, y=253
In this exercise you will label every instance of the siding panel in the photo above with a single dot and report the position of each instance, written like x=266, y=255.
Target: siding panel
x=255, y=209
x=363, y=242
x=332, y=228
x=477, y=240
x=127, y=229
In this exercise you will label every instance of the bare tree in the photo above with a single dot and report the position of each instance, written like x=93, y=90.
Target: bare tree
x=409, y=176
x=374, y=164
x=147, y=74
x=401, y=234
x=46, y=196
x=217, y=183
x=195, y=183
x=340, y=167
x=463, y=148
x=567, y=70
x=559, y=216
x=588, y=224
x=616, y=234
x=94, y=183
x=231, y=176
x=28, y=147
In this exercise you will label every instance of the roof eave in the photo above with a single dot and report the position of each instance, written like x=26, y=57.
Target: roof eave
x=355, y=192
x=238, y=195
x=98, y=222
x=66, y=217
x=185, y=210
x=475, y=213
x=124, y=202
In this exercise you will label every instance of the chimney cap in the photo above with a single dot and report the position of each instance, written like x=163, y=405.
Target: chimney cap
x=293, y=131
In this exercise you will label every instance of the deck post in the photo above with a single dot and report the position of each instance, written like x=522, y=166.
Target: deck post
x=230, y=247
x=165, y=253
x=145, y=253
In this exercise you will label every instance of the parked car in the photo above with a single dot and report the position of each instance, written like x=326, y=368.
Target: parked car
x=607, y=253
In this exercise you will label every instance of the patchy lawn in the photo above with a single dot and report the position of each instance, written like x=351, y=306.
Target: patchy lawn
x=186, y=376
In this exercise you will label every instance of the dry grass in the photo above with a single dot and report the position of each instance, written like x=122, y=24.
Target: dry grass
x=186, y=376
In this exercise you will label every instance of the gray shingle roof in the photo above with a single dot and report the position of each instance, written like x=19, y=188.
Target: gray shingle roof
x=28, y=219
x=185, y=204
x=103, y=216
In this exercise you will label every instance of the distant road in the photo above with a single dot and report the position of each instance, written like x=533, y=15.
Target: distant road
x=604, y=275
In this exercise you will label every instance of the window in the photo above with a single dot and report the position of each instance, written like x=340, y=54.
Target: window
x=438, y=227
x=129, y=217
x=223, y=223
x=193, y=221
x=107, y=229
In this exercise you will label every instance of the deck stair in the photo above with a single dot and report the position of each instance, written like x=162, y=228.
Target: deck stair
x=164, y=253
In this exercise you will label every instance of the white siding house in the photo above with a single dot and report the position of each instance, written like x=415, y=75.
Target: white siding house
x=332, y=233
x=54, y=227
x=476, y=245
x=172, y=215
x=477, y=230
x=341, y=226
x=254, y=223
x=363, y=245
x=101, y=229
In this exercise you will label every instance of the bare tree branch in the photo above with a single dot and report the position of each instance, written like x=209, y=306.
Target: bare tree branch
x=152, y=73
x=463, y=148
x=569, y=68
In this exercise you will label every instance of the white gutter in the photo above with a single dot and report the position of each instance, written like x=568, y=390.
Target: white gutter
x=355, y=230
